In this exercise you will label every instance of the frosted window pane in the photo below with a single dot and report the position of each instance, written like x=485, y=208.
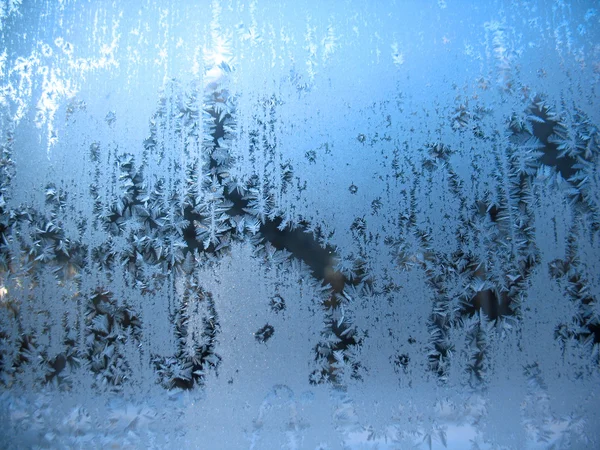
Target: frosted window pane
x=248, y=224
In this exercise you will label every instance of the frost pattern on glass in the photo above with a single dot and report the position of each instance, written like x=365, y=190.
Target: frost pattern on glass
x=272, y=225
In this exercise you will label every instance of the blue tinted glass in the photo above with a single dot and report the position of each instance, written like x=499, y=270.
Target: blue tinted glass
x=310, y=225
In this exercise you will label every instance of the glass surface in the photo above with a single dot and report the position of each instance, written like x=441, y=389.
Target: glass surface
x=300, y=224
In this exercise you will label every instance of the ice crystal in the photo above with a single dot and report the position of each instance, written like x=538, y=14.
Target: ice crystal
x=265, y=226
